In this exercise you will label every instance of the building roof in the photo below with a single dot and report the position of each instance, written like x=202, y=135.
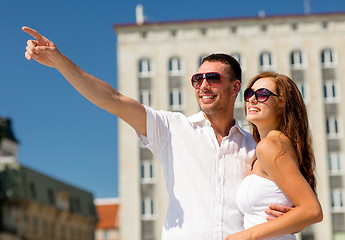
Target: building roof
x=295, y=17
x=20, y=183
x=107, y=213
x=6, y=129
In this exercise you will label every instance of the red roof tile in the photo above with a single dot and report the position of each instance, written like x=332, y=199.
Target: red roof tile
x=107, y=216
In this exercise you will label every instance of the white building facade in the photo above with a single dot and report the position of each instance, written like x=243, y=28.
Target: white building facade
x=156, y=61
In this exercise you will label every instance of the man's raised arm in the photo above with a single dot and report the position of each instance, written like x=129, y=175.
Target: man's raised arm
x=95, y=90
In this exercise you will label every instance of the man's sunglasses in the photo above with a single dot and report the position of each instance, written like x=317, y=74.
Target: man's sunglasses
x=261, y=95
x=213, y=78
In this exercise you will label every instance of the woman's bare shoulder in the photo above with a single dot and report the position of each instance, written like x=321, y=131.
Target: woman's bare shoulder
x=273, y=145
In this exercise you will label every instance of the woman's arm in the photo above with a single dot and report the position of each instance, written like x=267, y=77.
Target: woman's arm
x=277, y=159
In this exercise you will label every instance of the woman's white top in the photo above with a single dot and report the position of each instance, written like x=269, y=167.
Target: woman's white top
x=254, y=195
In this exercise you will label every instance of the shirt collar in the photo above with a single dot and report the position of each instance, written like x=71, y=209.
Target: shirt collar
x=199, y=118
x=237, y=125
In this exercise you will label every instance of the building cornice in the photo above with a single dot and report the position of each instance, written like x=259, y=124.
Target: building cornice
x=249, y=19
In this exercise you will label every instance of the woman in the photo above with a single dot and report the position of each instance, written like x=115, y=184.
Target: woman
x=283, y=172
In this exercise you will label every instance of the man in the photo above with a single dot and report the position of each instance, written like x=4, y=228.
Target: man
x=204, y=157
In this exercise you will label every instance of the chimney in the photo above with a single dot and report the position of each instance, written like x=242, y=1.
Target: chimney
x=306, y=7
x=262, y=14
x=139, y=12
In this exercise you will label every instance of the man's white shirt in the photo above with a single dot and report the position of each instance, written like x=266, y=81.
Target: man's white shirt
x=202, y=177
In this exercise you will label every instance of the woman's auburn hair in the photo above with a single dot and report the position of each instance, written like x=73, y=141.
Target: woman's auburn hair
x=292, y=120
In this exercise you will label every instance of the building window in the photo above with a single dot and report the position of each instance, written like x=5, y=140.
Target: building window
x=33, y=190
x=148, y=208
x=297, y=60
x=145, y=74
x=327, y=58
x=145, y=97
x=62, y=200
x=52, y=229
x=330, y=91
x=333, y=127
x=266, y=63
x=237, y=56
x=63, y=232
x=239, y=59
x=176, y=99
x=105, y=234
x=337, y=200
x=51, y=196
x=45, y=229
x=175, y=66
x=144, y=67
x=239, y=103
x=335, y=163
x=201, y=59
x=303, y=90
x=34, y=225
x=147, y=171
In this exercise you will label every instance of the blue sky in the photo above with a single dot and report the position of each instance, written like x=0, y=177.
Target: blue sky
x=61, y=134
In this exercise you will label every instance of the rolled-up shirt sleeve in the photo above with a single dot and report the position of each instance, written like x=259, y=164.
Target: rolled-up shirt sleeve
x=157, y=128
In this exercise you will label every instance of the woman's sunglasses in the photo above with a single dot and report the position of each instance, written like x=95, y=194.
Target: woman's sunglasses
x=213, y=78
x=261, y=95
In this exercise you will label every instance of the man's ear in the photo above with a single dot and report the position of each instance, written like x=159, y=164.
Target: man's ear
x=236, y=87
